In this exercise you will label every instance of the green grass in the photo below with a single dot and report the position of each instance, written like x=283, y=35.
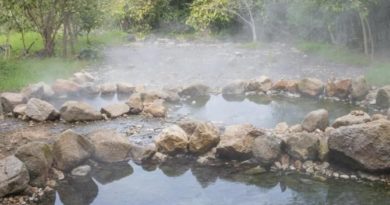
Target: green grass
x=379, y=74
x=334, y=53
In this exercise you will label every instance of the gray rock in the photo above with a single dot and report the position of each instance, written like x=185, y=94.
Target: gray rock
x=267, y=149
x=156, y=109
x=359, y=88
x=10, y=100
x=303, y=146
x=83, y=77
x=383, y=97
x=20, y=110
x=73, y=111
x=195, y=90
x=261, y=84
x=108, y=89
x=70, y=150
x=318, y=119
x=235, y=88
x=355, y=117
x=110, y=146
x=65, y=87
x=81, y=171
x=13, y=176
x=311, y=87
x=125, y=88
x=142, y=153
x=172, y=140
x=40, y=110
x=115, y=110
x=135, y=103
x=90, y=89
x=38, y=158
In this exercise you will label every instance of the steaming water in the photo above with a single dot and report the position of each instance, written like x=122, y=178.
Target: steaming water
x=186, y=184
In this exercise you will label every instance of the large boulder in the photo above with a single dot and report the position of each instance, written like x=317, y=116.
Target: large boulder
x=318, y=119
x=383, y=97
x=235, y=88
x=83, y=77
x=38, y=158
x=359, y=88
x=286, y=85
x=39, y=90
x=362, y=146
x=110, y=146
x=195, y=90
x=20, y=110
x=339, y=88
x=65, y=87
x=267, y=148
x=202, y=136
x=172, y=140
x=142, y=153
x=10, y=100
x=125, y=88
x=149, y=96
x=311, y=87
x=108, y=89
x=261, y=84
x=70, y=150
x=156, y=109
x=135, y=103
x=13, y=176
x=40, y=110
x=354, y=117
x=303, y=146
x=90, y=90
x=115, y=110
x=73, y=111
x=236, y=142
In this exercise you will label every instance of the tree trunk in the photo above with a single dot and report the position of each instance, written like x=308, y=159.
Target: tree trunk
x=371, y=38
x=364, y=31
x=88, y=42
x=71, y=36
x=254, y=33
x=65, y=38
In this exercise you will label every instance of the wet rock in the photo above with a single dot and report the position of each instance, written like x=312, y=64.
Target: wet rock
x=303, y=146
x=115, y=110
x=20, y=110
x=65, y=87
x=383, y=97
x=195, y=90
x=140, y=154
x=362, y=146
x=70, y=150
x=156, y=109
x=135, y=103
x=40, y=110
x=72, y=111
x=359, y=88
x=236, y=142
x=10, y=100
x=266, y=149
x=311, y=87
x=286, y=85
x=318, y=119
x=125, y=88
x=339, y=88
x=13, y=176
x=235, y=88
x=83, y=77
x=81, y=171
x=355, y=117
x=108, y=89
x=38, y=158
x=202, y=136
x=261, y=84
x=172, y=140
x=110, y=146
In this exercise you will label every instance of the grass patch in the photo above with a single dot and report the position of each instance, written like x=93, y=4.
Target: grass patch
x=379, y=74
x=15, y=75
x=334, y=53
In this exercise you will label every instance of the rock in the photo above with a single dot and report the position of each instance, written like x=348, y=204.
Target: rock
x=296, y=128
x=81, y=171
x=90, y=89
x=65, y=87
x=388, y=114
x=235, y=88
x=362, y=146
x=156, y=109
x=115, y=110
x=378, y=117
x=281, y=128
x=323, y=149
x=110, y=146
x=262, y=84
x=195, y=90
x=70, y=150
x=35, y=91
x=383, y=97
x=140, y=154
x=20, y=110
x=359, y=88
x=148, y=97
x=125, y=88
x=286, y=85
x=38, y=158
x=83, y=77
x=266, y=149
x=40, y=110
x=135, y=103
x=202, y=137
x=236, y=142
x=10, y=100
x=311, y=87
x=172, y=140
x=339, y=88
x=108, y=89
x=355, y=117
x=72, y=111
x=318, y=119
x=13, y=176
x=303, y=146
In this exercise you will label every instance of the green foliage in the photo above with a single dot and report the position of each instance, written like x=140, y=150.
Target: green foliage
x=379, y=74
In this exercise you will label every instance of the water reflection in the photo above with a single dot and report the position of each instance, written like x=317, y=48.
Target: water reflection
x=186, y=183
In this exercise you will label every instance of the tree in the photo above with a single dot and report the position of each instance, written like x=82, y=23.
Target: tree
x=90, y=16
